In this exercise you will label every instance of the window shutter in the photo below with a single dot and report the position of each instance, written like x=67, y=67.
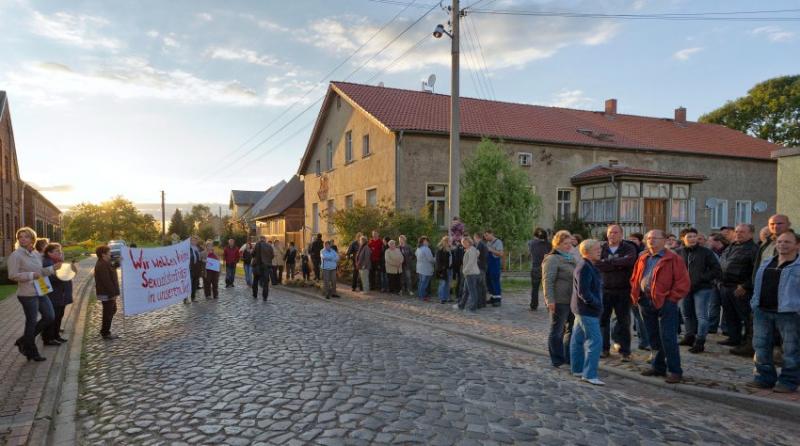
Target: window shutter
x=692, y=206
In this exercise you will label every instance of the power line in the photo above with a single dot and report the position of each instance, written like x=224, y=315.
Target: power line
x=704, y=16
x=314, y=86
x=479, y=62
x=474, y=71
x=398, y=58
x=483, y=59
x=252, y=149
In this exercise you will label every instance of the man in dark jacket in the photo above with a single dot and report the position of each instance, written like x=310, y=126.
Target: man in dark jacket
x=195, y=265
x=737, y=262
x=262, y=264
x=616, y=265
x=537, y=248
x=483, y=252
x=457, y=253
x=352, y=251
x=314, y=252
x=704, y=272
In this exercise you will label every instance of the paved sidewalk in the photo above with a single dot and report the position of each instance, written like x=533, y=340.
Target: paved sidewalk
x=23, y=383
x=514, y=322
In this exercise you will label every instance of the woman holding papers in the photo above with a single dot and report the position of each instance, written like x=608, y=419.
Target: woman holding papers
x=25, y=268
x=211, y=278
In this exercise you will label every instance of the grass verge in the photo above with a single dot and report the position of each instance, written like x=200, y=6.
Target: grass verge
x=7, y=290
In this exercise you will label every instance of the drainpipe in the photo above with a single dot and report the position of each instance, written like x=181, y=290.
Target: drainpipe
x=397, y=170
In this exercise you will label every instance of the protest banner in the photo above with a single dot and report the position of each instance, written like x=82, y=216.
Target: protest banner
x=154, y=278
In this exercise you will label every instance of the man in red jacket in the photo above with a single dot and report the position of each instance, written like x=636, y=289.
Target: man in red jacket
x=660, y=279
x=231, y=256
x=376, y=247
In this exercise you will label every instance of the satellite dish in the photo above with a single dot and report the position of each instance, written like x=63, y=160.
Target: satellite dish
x=431, y=80
x=760, y=206
x=711, y=203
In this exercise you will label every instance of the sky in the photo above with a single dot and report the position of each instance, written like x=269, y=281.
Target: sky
x=198, y=97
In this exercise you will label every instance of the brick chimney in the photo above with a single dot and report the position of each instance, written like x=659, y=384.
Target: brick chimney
x=680, y=115
x=611, y=107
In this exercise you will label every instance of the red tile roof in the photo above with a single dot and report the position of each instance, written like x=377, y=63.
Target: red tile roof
x=599, y=172
x=410, y=110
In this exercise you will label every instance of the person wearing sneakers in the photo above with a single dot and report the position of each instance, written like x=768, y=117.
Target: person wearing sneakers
x=616, y=265
x=587, y=306
x=660, y=280
x=776, y=307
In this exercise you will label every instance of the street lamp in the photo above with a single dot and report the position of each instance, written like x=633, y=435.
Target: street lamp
x=455, y=120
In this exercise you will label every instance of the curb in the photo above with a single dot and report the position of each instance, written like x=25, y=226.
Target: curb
x=48, y=415
x=762, y=406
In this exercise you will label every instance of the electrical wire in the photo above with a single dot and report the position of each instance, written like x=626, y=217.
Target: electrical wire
x=703, y=16
x=471, y=23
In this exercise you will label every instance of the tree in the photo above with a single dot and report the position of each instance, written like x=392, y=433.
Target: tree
x=177, y=226
x=771, y=111
x=496, y=194
x=384, y=218
x=114, y=219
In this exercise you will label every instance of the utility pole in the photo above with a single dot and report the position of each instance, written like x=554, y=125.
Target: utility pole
x=455, y=118
x=163, y=218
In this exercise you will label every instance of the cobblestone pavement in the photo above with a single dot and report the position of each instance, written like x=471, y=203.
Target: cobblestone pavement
x=514, y=322
x=296, y=370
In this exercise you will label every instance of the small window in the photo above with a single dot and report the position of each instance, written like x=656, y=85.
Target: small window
x=318, y=169
x=436, y=201
x=315, y=218
x=680, y=191
x=329, y=156
x=348, y=201
x=564, y=204
x=629, y=210
x=680, y=211
x=719, y=216
x=630, y=189
x=744, y=212
x=655, y=190
x=525, y=159
x=365, y=145
x=348, y=146
x=372, y=197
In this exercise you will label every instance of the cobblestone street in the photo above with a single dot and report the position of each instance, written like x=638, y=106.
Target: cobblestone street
x=296, y=370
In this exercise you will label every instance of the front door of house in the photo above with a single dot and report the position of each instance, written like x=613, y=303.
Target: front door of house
x=655, y=214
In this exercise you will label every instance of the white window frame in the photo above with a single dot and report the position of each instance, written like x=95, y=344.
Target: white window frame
x=636, y=208
x=569, y=203
x=719, y=215
x=525, y=159
x=685, y=204
x=365, y=148
x=329, y=155
x=349, y=201
x=744, y=208
x=348, y=146
x=437, y=202
x=366, y=196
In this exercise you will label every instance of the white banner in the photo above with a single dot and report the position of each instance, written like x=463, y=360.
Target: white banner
x=154, y=278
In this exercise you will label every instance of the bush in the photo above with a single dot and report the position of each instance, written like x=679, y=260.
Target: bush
x=386, y=220
x=574, y=225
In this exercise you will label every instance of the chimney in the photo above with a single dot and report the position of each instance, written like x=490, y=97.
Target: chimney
x=611, y=107
x=680, y=115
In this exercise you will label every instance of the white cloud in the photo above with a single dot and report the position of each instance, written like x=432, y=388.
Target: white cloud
x=170, y=41
x=571, y=99
x=507, y=41
x=76, y=30
x=264, y=23
x=49, y=83
x=204, y=17
x=152, y=33
x=686, y=53
x=243, y=55
x=638, y=5
x=773, y=33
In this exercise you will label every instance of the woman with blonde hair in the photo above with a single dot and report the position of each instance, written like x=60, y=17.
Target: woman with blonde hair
x=25, y=268
x=394, y=266
x=558, y=268
x=444, y=262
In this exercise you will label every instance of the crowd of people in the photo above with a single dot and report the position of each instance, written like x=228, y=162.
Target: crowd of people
x=688, y=285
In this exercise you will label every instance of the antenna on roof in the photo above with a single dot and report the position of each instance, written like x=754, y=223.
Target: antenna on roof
x=428, y=85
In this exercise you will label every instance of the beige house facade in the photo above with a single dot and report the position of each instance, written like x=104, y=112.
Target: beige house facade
x=381, y=145
x=789, y=183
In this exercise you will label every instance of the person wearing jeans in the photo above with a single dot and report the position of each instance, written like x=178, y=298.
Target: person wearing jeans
x=24, y=267
x=659, y=281
x=329, y=262
x=444, y=261
x=425, y=267
x=558, y=269
x=776, y=306
x=106, y=289
x=469, y=269
x=231, y=255
x=616, y=265
x=704, y=272
x=587, y=306
x=735, y=288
